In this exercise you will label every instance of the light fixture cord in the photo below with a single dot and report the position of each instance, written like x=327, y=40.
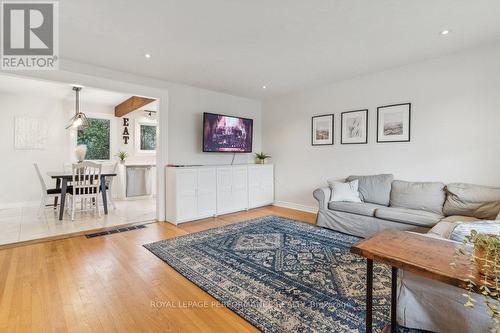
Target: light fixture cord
x=77, y=106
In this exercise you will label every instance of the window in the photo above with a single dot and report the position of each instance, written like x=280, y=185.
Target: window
x=148, y=137
x=97, y=139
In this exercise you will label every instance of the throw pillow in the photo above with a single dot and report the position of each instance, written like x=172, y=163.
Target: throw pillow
x=463, y=229
x=345, y=191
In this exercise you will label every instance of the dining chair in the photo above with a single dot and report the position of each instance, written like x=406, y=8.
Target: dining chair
x=46, y=192
x=85, y=185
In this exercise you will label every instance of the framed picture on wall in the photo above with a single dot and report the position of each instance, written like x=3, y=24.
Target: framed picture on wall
x=146, y=133
x=354, y=127
x=393, y=123
x=322, y=130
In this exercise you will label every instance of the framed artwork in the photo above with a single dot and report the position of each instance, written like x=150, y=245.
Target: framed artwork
x=354, y=127
x=146, y=134
x=30, y=133
x=393, y=123
x=322, y=130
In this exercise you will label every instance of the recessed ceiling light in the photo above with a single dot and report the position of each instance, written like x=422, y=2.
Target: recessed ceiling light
x=147, y=55
x=264, y=87
x=445, y=32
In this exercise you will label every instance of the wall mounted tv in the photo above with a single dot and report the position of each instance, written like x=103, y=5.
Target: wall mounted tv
x=227, y=134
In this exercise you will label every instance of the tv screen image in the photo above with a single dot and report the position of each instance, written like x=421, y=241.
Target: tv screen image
x=227, y=133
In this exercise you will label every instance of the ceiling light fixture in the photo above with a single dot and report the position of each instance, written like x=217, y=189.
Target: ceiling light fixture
x=79, y=120
x=264, y=87
x=150, y=112
x=445, y=32
x=147, y=55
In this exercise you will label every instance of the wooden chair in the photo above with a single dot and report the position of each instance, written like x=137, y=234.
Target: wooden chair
x=86, y=183
x=46, y=192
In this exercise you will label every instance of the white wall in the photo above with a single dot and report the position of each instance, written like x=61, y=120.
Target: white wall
x=185, y=124
x=455, y=126
x=19, y=182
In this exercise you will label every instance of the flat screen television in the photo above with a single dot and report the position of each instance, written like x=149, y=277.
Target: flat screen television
x=227, y=134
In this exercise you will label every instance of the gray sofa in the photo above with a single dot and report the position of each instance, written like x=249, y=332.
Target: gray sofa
x=430, y=208
x=409, y=206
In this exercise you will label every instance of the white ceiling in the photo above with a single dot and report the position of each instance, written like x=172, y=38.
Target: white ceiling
x=237, y=46
x=12, y=84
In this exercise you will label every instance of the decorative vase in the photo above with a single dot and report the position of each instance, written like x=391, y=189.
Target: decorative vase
x=80, y=152
x=261, y=161
x=480, y=257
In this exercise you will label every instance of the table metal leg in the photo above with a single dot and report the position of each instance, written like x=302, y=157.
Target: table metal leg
x=369, y=295
x=394, y=295
x=63, y=198
x=104, y=196
x=58, y=185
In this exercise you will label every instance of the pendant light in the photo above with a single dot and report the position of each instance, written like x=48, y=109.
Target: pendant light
x=79, y=120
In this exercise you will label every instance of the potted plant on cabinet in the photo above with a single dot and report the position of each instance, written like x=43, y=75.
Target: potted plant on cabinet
x=261, y=157
x=122, y=155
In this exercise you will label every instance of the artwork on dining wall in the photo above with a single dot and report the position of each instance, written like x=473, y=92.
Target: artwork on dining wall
x=322, y=130
x=393, y=123
x=354, y=127
x=30, y=133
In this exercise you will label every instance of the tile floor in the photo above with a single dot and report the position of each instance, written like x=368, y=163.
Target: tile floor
x=23, y=224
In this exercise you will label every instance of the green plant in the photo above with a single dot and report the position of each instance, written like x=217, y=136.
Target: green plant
x=122, y=155
x=262, y=156
x=486, y=259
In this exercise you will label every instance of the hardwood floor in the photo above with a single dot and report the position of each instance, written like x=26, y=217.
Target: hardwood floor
x=113, y=284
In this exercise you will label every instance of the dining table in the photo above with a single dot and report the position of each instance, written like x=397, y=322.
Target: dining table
x=62, y=180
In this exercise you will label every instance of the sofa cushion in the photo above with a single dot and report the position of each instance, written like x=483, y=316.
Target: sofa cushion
x=478, y=201
x=362, y=208
x=347, y=191
x=444, y=228
x=459, y=218
x=408, y=216
x=426, y=196
x=374, y=189
x=463, y=229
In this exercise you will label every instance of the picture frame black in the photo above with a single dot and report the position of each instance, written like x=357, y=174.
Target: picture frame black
x=332, y=136
x=408, y=139
x=342, y=127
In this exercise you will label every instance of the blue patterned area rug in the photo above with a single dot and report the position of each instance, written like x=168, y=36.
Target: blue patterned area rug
x=281, y=275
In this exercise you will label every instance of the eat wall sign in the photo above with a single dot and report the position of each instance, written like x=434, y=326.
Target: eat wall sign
x=126, y=134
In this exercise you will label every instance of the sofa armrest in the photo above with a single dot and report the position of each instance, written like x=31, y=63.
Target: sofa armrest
x=323, y=195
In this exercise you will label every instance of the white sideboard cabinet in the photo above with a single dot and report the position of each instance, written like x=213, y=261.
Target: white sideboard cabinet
x=199, y=192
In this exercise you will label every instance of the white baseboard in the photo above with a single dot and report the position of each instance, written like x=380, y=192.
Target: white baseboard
x=291, y=205
x=19, y=204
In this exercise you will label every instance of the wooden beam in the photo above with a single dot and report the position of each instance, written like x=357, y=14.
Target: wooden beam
x=131, y=104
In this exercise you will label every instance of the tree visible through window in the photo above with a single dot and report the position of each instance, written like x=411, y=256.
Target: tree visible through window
x=97, y=139
x=148, y=137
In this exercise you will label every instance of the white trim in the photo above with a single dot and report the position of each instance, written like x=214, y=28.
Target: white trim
x=22, y=204
x=291, y=205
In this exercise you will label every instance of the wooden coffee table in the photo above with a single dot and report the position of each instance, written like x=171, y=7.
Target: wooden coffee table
x=412, y=252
